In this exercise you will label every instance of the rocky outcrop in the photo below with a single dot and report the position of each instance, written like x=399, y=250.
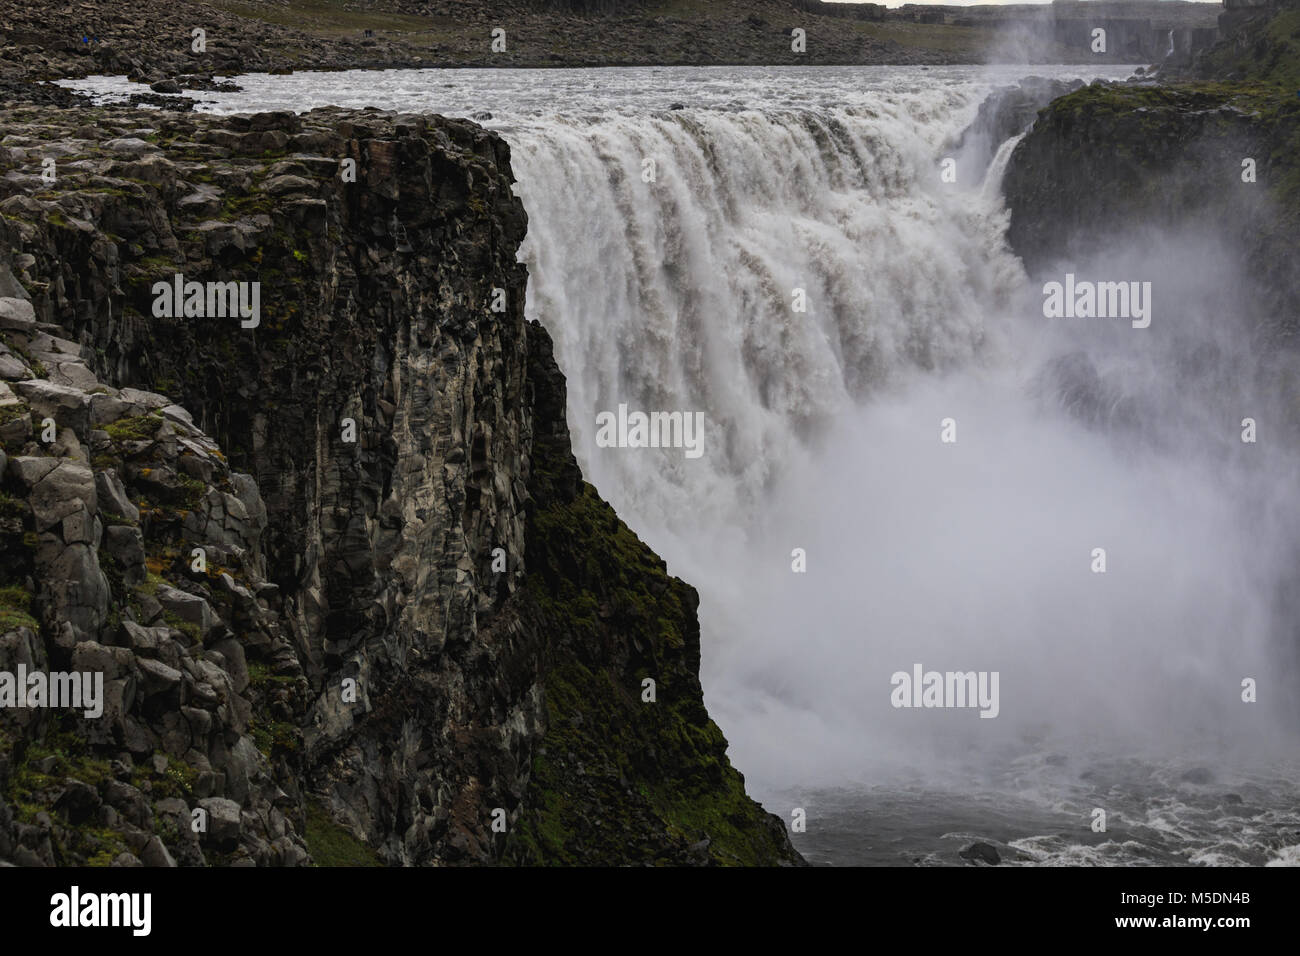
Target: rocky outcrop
x=1112, y=164
x=444, y=630
x=131, y=550
x=1214, y=152
x=1005, y=112
x=1259, y=43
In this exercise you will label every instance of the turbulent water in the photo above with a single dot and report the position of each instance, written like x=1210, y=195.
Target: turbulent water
x=678, y=218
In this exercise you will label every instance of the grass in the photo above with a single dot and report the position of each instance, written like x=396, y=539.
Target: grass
x=259, y=674
x=11, y=507
x=9, y=413
x=176, y=781
x=1273, y=58
x=1269, y=113
x=134, y=427
x=188, y=628
x=276, y=736
x=15, y=610
x=616, y=778
x=332, y=845
x=32, y=791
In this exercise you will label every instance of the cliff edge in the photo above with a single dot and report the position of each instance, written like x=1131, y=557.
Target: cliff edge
x=284, y=461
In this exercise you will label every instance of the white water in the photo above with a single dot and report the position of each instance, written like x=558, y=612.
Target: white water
x=822, y=433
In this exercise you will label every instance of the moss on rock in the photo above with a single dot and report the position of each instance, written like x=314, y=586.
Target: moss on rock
x=618, y=779
x=334, y=845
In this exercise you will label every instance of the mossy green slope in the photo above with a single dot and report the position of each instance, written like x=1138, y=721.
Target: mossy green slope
x=618, y=779
x=1265, y=51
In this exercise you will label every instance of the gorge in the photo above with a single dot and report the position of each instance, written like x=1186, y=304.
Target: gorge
x=379, y=562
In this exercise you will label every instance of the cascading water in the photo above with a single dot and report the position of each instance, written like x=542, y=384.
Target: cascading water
x=682, y=293
x=669, y=251
x=824, y=435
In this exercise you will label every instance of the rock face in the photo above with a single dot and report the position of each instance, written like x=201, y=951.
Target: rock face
x=1213, y=153
x=1112, y=163
x=981, y=853
x=107, y=495
x=1006, y=112
x=414, y=629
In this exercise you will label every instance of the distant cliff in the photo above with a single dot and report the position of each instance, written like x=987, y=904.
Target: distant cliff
x=55, y=38
x=1217, y=150
x=349, y=593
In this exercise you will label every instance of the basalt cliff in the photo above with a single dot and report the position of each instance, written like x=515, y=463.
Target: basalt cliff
x=1206, y=148
x=350, y=597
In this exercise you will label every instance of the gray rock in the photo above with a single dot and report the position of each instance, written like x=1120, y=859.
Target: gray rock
x=11, y=367
x=68, y=405
x=156, y=854
x=32, y=469
x=232, y=653
x=144, y=640
x=106, y=408
x=112, y=497
x=78, y=801
x=11, y=288
x=67, y=488
x=157, y=678
x=126, y=546
x=76, y=589
x=286, y=185
x=223, y=822
x=981, y=853
x=112, y=662
x=130, y=802
x=128, y=144
x=188, y=607
x=151, y=401
x=16, y=314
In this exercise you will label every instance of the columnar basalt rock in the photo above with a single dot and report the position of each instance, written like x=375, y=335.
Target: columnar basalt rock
x=106, y=494
x=359, y=467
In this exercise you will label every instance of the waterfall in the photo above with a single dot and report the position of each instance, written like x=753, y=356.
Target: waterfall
x=681, y=294
x=823, y=434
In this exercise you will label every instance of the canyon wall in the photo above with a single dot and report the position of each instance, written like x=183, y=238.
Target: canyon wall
x=415, y=636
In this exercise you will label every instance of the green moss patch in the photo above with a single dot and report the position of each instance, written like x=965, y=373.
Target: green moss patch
x=617, y=779
x=333, y=845
x=134, y=427
x=15, y=610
